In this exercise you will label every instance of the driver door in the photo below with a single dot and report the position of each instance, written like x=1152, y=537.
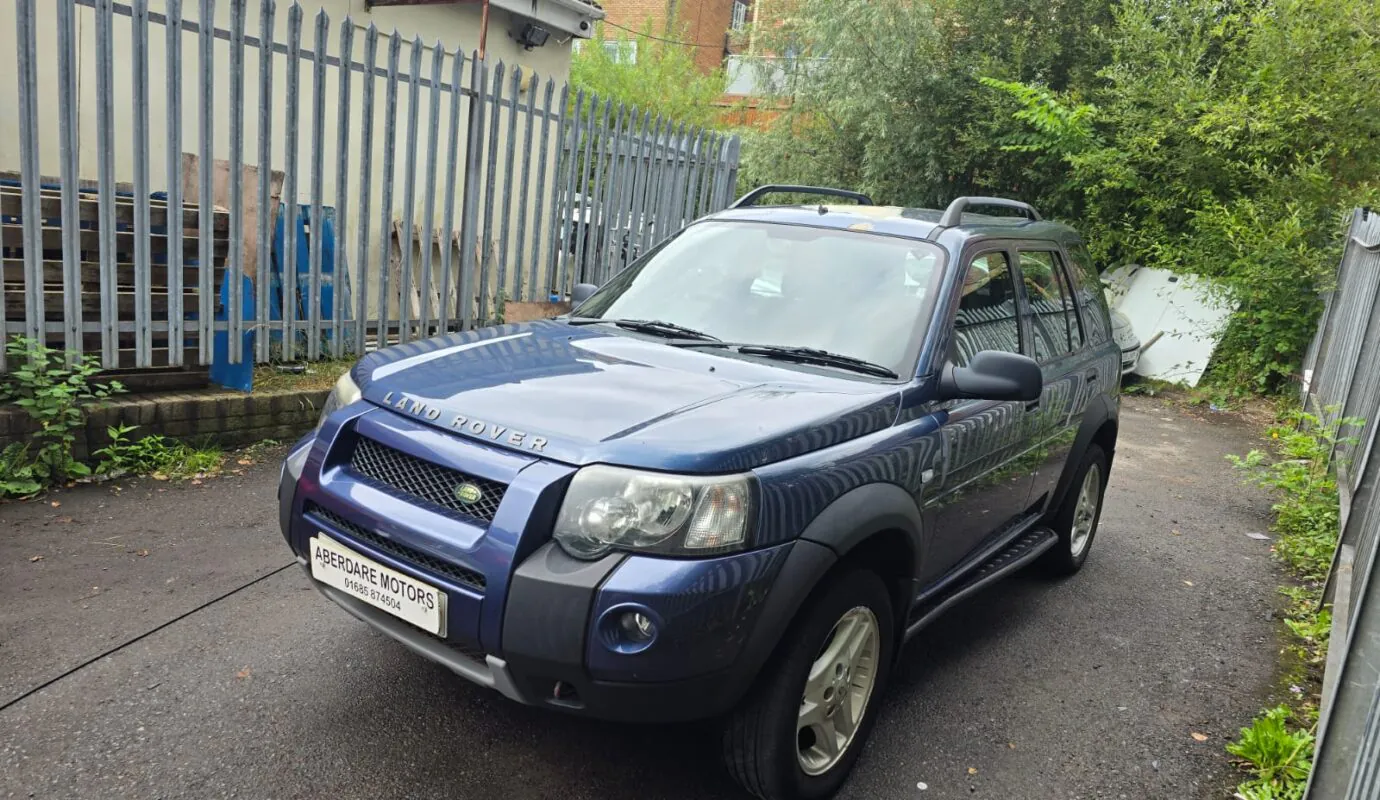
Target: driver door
x=985, y=484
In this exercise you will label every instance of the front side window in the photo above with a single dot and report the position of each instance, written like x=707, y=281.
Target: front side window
x=1054, y=318
x=986, y=318
x=858, y=294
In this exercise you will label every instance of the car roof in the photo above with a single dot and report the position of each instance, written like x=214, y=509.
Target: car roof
x=916, y=223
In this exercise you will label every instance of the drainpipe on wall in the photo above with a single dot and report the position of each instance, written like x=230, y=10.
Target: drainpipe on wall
x=483, y=26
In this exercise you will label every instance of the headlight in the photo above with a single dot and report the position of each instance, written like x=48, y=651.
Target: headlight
x=611, y=508
x=344, y=393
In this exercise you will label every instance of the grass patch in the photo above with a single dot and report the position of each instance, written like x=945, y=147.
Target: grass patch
x=306, y=376
x=155, y=455
x=1276, y=750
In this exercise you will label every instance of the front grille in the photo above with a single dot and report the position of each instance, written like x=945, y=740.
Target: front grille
x=433, y=484
x=416, y=558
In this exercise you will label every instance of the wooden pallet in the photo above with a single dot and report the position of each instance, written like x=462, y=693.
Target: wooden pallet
x=88, y=241
x=50, y=240
x=89, y=212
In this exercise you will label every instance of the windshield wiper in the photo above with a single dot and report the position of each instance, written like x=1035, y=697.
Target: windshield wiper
x=652, y=326
x=803, y=355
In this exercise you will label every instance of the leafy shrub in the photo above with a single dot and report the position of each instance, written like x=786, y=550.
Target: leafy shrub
x=18, y=477
x=53, y=388
x=1228, y=140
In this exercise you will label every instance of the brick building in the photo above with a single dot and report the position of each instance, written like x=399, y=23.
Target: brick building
x=716, y=28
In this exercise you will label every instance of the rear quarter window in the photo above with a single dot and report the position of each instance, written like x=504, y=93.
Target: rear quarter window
x=1088, y=290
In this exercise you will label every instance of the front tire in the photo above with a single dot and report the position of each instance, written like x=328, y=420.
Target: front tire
x=801, y=730
x=1077, y=519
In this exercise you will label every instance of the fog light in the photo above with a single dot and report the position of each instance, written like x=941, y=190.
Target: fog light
x=637, y=627
x=629, y=628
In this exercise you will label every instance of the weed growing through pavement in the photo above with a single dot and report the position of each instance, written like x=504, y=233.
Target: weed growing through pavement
x=1300, y=470
x=155, y=455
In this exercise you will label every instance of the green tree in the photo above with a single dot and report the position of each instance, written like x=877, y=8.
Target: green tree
x=884, y=94
x=648, y=73
x=1229, y=140
x=1221, y=137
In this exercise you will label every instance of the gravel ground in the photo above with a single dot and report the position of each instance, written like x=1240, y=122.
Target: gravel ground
x=1087, y=688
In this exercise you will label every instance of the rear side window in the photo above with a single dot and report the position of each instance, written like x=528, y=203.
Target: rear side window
x=1088, y=290
x=986, y=318
x=1055, y=319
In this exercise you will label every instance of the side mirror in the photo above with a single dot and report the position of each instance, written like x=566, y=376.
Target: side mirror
x=993, y=375
x=581, y=292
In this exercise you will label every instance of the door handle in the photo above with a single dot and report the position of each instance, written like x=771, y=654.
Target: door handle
x=1093, y=376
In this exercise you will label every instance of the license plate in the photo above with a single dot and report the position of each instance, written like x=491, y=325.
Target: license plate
x=386, y=589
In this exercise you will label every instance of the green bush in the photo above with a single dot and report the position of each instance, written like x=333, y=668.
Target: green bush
x=19, y=476
x=54, y=388
x=1226, y=139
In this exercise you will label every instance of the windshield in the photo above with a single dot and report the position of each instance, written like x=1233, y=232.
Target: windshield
x=857, y=294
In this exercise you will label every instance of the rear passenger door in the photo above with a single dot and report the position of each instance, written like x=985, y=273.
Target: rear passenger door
x=984, y=488
x=1058, y=345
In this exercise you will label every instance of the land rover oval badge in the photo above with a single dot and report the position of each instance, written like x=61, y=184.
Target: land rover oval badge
x=468, y=493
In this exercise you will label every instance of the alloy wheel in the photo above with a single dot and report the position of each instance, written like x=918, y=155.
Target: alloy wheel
x=837, y=691
x=1085, y=512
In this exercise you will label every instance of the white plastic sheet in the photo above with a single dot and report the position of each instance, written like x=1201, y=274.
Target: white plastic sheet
x=1179, y=319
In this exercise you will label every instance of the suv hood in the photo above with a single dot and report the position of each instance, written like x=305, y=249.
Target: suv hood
x=585, y=395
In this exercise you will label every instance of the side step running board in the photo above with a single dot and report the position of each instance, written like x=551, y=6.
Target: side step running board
x=1025, y=549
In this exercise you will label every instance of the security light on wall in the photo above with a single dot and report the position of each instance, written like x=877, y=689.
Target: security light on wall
x=530, y=36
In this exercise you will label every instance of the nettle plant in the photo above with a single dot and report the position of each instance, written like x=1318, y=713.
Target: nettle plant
x=54, y=388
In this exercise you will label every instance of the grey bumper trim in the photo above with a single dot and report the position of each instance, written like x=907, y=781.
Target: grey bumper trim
x=492, y=674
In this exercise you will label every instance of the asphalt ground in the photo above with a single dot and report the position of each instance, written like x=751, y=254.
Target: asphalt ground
x=181, y=653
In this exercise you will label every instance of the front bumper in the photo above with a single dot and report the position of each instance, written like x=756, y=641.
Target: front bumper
x=530, y=684
x=540, y=628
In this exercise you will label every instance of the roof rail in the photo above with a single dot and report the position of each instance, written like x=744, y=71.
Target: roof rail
x=751, y=197
x=953, y=215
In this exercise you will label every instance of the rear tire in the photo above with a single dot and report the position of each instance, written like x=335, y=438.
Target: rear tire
x=822, y=685
x=1077, y=519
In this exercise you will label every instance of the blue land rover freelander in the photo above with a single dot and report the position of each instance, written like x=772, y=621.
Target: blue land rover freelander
x=735, y=479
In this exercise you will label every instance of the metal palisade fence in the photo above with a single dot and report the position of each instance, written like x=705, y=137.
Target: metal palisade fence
x=285, y=187
x=1342, y=379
